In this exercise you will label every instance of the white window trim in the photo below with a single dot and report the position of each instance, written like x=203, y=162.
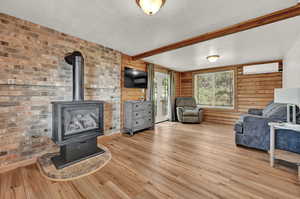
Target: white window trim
x=216, y=107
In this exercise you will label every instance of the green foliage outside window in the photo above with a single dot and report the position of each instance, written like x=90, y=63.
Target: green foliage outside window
x=215, y=89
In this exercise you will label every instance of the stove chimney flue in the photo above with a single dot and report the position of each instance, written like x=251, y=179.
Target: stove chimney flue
x=77, y=61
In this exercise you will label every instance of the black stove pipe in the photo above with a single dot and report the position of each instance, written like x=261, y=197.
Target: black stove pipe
x=77, y=61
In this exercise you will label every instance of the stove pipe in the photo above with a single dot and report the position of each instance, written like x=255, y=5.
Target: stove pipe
x=77, y=61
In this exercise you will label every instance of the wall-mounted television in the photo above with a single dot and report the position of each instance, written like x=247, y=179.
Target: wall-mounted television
x=135, y=78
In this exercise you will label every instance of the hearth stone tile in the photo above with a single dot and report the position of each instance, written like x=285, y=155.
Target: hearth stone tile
x=78, y=170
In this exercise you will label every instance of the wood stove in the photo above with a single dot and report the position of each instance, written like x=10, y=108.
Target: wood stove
x=76, y=124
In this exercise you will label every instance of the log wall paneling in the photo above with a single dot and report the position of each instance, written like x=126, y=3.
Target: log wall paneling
x=177, y=82
x=252, y=91
x=186, y=84
x=256, y=91
x=130, y=93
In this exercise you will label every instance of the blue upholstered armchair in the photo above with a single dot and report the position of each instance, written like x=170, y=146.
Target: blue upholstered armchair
x=252, y=129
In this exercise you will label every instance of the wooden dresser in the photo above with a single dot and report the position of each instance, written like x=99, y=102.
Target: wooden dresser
x=137, y=116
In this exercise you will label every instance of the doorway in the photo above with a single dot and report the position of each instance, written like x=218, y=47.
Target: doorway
x=161, y=97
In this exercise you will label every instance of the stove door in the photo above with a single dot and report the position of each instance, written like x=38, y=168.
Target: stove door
x=80, y=118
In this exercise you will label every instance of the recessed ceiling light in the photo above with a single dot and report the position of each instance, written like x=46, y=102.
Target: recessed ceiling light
x=213, y=58
x=150, y=7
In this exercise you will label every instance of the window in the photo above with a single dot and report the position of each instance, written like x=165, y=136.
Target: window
x=215, y=89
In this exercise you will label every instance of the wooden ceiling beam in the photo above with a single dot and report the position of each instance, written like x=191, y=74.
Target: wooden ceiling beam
x=246, y=25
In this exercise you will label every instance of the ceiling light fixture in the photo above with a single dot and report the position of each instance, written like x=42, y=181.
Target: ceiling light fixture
x=213, y=58
x=150, y=7
x=135, y=72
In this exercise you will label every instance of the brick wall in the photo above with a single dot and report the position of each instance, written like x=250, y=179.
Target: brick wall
x=33, y=73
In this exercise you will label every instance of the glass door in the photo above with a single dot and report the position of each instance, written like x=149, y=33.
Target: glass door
x=161, y=96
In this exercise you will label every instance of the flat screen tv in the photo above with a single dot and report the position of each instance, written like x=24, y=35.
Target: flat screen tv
x=135, y=78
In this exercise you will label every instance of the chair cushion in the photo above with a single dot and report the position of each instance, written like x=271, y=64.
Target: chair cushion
x=288, y=140
x=254, y=111
x=278, y=112
x=185, y=102
x=191, y=119
x=194, y=112
x=186, y=108
x=268, y=108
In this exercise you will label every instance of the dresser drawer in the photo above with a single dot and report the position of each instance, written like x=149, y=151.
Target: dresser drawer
x=145, y=126
x=142, y=122
x=138, y=116
x=142, y=114
x=142, y=106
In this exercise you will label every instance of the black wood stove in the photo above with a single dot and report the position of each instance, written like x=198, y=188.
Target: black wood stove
x=76, y=124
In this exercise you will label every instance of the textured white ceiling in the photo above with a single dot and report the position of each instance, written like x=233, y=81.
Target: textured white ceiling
x=121, y=25
x=265, y=43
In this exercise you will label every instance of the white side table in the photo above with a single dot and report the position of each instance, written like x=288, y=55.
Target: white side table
x=281, y=154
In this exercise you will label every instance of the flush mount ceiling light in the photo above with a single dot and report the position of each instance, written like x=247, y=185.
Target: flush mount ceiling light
x=135, y=72
x=213, y=58
x=150, y=7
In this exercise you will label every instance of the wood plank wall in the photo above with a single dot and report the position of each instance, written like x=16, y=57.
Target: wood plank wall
x=130, y=93
x=177, y=80
x=252, y=91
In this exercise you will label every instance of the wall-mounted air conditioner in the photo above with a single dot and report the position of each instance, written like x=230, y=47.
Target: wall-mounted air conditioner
x=261, y=68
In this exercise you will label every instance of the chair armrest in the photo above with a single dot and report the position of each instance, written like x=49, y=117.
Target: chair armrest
x=201, y=114
x=254, y=111
x=179, y=111
x=199, y=108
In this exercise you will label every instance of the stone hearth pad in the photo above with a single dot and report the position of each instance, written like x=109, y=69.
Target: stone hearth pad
x=75, y=171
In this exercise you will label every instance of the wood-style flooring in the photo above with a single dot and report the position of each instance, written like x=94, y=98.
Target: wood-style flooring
x=176, y=161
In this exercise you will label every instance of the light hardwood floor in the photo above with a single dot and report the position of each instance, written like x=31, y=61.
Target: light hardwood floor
x=178, y=161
